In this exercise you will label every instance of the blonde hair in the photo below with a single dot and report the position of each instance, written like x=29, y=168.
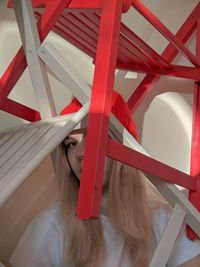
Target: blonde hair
x=131, y=201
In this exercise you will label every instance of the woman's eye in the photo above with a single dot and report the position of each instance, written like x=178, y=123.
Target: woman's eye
x=72, y=144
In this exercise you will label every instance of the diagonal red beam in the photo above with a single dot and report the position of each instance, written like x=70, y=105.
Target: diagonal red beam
x=168, y=54
x=20, y=110
x=18, y=64
x=146, y=164
x=98, y=121
x=144, y=11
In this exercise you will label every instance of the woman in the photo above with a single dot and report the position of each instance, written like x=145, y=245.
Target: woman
x=132, y=220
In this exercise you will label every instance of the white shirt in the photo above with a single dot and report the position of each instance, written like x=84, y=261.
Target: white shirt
x=42, y=244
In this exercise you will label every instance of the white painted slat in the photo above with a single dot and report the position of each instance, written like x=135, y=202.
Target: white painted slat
x=29, y=151
x=4, y=138
x=22, y=151
x=168, y=239
x=38, y=124
x=15, y=147
x=31, y=41
x=11, y=142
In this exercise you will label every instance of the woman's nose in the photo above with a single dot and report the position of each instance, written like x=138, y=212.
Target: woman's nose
x=80, y=149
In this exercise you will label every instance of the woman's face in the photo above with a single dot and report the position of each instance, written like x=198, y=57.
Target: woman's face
x=75, y=155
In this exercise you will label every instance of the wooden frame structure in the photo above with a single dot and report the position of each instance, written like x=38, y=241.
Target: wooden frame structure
x=85, y=25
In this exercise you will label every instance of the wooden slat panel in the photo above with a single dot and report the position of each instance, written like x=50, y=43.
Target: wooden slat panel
x=88, y=27
x=136, y=40
x=134, y=54
x=85, y=18
x=12, y=162
x=15, y=147
x=78, y=31
x=11, y=142
x=4, y=138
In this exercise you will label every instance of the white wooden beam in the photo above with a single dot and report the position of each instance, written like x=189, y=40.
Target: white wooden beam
x=30, y=40
x=169, y=237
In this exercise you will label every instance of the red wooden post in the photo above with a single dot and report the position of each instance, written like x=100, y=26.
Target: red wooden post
x=194, y=196
x=98, y=123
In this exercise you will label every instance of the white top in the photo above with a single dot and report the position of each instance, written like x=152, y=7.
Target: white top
x=42, y=244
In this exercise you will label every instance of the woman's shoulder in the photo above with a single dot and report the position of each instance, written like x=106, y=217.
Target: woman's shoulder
x=54, y=216
x=48, y=220
x=43, y=236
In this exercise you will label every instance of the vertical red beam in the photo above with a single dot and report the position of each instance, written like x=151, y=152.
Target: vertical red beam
x=98, y=122
x=194, y=196
x=169, y=54
x=18, y=64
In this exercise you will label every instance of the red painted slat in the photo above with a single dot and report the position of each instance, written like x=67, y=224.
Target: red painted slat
x=78, y=31
x=152, y=54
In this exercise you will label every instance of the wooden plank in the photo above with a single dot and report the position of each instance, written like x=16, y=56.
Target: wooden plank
x=31, y=41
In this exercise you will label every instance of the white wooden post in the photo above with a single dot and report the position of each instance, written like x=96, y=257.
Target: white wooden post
x=31, y=42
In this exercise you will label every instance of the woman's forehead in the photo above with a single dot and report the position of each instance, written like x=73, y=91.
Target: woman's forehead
x=78, y=134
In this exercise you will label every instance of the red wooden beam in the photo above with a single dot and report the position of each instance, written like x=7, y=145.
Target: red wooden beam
x=194, y=196
x=98, y=121
x=77, y=4
x=175, y=71
x=74, y=3
x=149, y=165
x=168, y=54
x=20, y=110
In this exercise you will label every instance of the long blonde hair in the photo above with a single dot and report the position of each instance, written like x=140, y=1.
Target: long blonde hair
x=131, y=201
